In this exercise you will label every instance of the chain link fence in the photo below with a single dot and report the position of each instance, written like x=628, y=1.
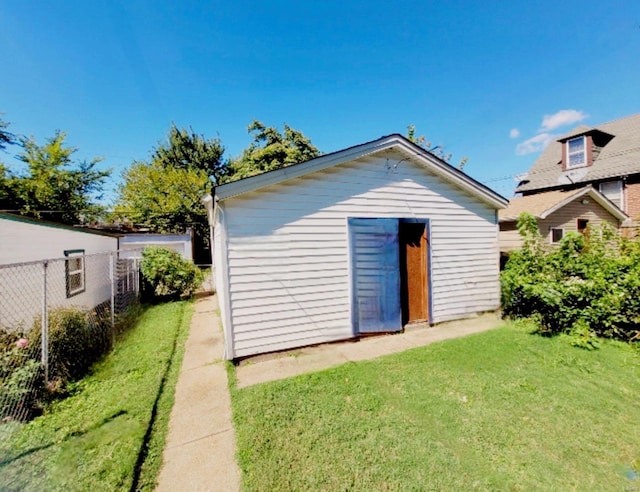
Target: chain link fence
x=56, y=318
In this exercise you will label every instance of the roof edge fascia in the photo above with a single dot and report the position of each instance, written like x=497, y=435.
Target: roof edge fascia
x=602, y=200
x=253, y=183
x=453, y=175
x=426, y=159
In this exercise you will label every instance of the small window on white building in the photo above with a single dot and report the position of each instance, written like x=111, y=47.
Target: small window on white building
x=555, y=235
x=613, y=191
x=576, y=152
x=74, y=271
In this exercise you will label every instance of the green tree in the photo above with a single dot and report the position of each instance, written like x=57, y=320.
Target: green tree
x=164, y=198
x=6, y=137
x=165, y=194
x=53, y=186
x=185, y=149
x=270, y=149
x=6, y=193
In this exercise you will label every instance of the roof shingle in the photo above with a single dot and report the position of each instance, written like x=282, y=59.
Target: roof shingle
x=619, y=157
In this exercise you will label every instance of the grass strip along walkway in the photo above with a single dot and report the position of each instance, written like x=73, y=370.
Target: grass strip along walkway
x=109, y=433
x=502, y=410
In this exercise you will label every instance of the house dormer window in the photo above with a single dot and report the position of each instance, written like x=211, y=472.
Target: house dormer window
x=576, y=152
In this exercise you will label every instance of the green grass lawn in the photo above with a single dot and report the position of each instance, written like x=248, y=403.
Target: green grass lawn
x=502, y=410
x=94, y=439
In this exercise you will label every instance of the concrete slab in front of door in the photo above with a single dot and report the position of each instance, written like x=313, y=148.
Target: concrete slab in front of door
x=272, y=367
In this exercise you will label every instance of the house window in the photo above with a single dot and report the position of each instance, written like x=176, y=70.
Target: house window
x=556, y=234
x=74, y=271
x=582, y=225
x=576, y=152
x=613, y=191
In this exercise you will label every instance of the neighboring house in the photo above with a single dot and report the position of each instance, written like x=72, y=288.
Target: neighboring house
x=132, y=244
x=558, y=212
x=78, y=277
x=360, y=241
x=605, y=156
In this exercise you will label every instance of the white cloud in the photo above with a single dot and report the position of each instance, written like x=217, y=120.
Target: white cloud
x=561, y=118
x=534, y=144
x=514, y=133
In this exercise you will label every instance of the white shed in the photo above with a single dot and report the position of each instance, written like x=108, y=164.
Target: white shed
x=24, y=239
x=76, y=274
x=132, y=244
x=363, y=240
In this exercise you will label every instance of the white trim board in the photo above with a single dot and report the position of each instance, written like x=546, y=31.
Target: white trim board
x=414, y=152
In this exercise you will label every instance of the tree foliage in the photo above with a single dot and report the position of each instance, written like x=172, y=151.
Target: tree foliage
x=436, y=150
x=166, y=193
x=53, y=186
x=164, y=198
x=587, y=286
x=185, y=149
x=271, y=149
x=6, y=137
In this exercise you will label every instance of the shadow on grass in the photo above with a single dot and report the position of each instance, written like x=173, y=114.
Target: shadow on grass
x=8, y=461
x=144, y=447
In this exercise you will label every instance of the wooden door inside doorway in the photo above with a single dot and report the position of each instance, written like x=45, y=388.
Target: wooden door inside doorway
x=412, y=238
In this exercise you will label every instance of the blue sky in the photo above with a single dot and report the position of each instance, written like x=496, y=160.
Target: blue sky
x=478, y=78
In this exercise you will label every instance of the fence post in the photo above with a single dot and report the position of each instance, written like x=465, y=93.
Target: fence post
x=45, y=323
x=113, y=295
x=136, y=278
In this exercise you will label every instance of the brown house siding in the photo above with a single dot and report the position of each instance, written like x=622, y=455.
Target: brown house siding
x=567, y=217
x=509, y=237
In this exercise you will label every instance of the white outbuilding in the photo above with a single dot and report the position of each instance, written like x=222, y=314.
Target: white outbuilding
x=73, y=262
x=360, y=241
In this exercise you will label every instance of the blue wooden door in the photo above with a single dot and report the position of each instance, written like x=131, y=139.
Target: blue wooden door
x=375, y=275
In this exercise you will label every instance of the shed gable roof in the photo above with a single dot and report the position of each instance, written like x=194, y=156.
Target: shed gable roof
x=541, y=205
x=414, y=152
x=620, y=156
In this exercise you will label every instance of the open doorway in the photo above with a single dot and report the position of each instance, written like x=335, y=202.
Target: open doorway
x=389, y=273
x=412, y=238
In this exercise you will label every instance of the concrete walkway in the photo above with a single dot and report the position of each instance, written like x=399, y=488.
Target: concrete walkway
x=261, y=369
x=200, y=449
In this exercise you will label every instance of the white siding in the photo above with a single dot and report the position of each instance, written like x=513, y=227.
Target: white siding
x=133, y=244
x=21, y=286
x=287, y=260
x=27, y=241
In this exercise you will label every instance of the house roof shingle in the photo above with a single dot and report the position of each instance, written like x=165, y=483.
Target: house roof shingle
x=619, y=157
x=541, y=205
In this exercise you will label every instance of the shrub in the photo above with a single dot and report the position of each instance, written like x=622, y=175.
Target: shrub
x=75, y=343
x=170, y=275
x=21, y=391
x=588, y=286
x=21, y=377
